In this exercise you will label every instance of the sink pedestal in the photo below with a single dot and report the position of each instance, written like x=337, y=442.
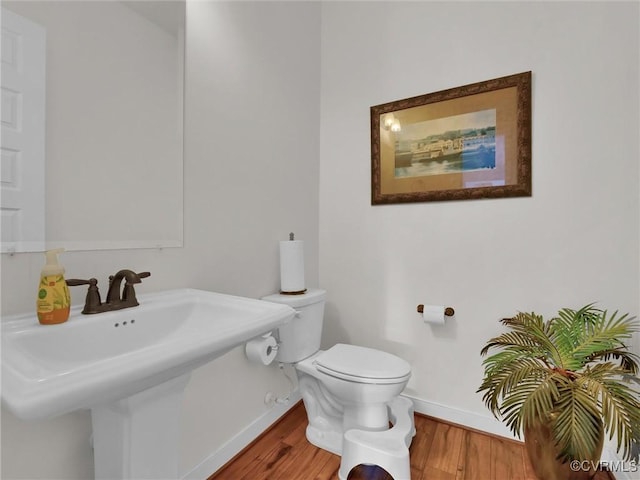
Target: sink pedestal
x=138, y=437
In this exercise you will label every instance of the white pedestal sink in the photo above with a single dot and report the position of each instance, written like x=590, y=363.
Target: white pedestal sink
x=130, y=367
x=137, y=437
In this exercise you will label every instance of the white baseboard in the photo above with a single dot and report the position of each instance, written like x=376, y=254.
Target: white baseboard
x=472, y=420
x=234, y=446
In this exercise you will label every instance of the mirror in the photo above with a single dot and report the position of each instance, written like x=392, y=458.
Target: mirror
x=92, y=124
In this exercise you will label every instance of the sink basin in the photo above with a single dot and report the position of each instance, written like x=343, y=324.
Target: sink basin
x=90, y=360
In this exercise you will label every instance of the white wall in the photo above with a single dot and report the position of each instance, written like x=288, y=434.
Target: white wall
x=252, y=122
x=574, y=241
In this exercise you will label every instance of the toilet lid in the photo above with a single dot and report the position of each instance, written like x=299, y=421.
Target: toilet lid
x=362, y=364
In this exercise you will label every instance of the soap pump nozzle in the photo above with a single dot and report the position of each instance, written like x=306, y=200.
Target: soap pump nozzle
x=291, y=235
x=52, y=266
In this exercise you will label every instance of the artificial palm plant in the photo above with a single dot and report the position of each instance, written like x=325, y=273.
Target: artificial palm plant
x=573, y=373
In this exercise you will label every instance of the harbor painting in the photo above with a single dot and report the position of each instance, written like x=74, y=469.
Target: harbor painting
x=462, y=143
x=455, y=144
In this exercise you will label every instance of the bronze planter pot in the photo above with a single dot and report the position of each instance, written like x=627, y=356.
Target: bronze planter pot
x=543, y=454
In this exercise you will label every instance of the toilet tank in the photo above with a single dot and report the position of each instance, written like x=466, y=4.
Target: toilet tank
x=300, y=338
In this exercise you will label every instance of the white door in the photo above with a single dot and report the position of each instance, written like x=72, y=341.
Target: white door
x=22, y=141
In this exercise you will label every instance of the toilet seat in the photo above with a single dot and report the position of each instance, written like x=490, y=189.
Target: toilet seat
x=362, y=365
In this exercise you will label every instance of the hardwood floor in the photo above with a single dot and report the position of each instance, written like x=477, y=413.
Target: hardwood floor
x=440, y=451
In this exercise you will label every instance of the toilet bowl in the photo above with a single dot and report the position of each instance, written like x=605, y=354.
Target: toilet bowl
x=346, y=387
x=362, y=380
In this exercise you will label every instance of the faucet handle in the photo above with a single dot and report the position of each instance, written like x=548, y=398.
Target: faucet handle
x=74, y=282
x=135, y=277
x=128, y=292
x=132, y=277
x=92, y=303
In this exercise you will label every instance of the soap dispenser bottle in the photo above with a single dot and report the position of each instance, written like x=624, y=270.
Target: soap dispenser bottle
x=54, y=301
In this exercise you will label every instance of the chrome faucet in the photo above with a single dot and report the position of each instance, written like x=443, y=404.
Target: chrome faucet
x=114, y=301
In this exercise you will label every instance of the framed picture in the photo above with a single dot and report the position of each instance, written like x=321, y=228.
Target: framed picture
x=464, y=143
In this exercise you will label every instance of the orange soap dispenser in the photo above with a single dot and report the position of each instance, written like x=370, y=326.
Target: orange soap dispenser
x=53, y=294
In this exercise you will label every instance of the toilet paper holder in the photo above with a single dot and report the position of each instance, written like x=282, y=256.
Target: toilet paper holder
x=449, y=311
x=262, y=350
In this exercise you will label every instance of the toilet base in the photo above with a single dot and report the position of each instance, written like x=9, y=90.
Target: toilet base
x=388, y=449
x=325, y=429
x=326, y=439
x=329, y=420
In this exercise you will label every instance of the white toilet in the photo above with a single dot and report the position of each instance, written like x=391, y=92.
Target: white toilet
x=347, y=389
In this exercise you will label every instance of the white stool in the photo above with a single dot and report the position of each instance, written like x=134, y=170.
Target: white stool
x=388, y=449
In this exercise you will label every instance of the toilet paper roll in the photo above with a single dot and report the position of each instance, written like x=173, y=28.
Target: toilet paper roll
x=433, y=314
x=292, y=266
x=261, y=350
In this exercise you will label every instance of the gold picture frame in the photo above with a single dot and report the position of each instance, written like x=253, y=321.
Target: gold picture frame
x=463, y=143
